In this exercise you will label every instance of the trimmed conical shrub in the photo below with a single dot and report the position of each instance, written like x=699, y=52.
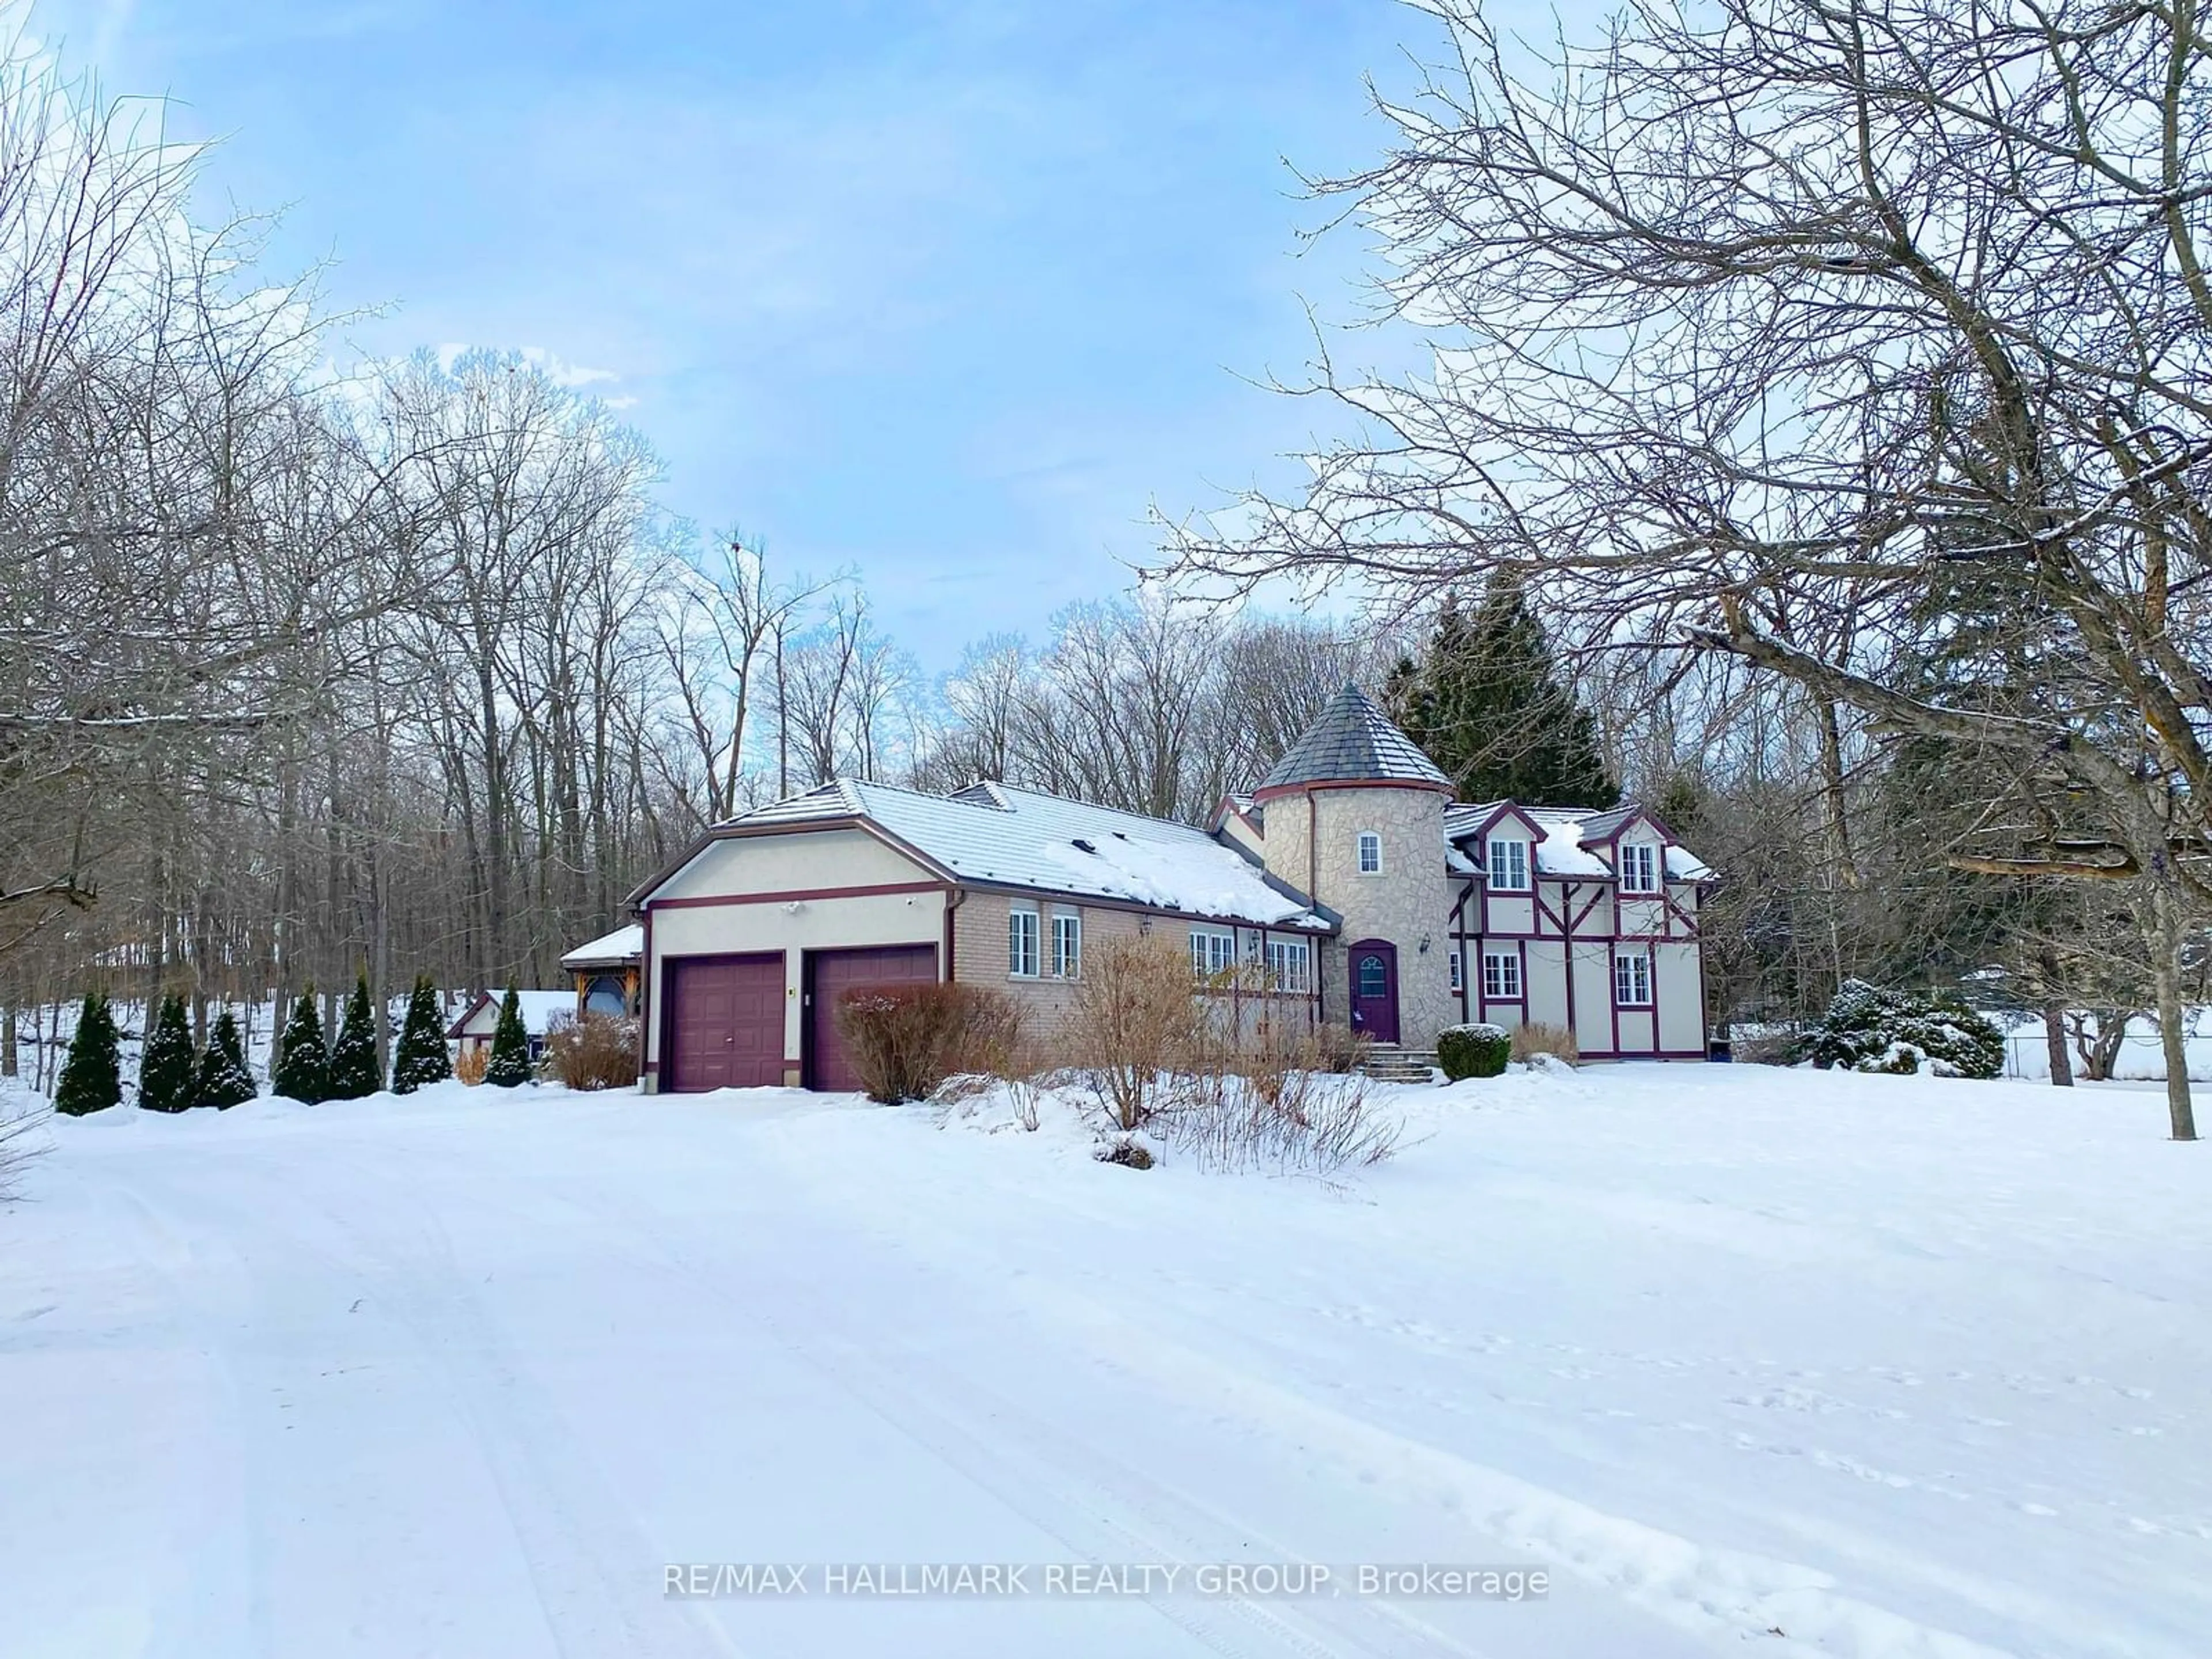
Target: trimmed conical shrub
x=165, y=1063
x=354, y=1070
x=92, y=1076
x=510, y=1047
x=301, y=1070
x=421, y=1057
x=225, y=1080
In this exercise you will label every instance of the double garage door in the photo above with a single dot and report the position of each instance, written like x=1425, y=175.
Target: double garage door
x=724, y=1019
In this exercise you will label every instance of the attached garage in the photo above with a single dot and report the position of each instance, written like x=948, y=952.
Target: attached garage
x=829, y=972
x=723, y=1028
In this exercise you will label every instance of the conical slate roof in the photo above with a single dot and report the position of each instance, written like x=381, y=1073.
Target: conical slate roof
x=1353, y=741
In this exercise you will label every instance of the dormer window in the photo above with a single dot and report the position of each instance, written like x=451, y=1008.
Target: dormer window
x=1509, y=865
x=1639, y=868
x=1371, y=853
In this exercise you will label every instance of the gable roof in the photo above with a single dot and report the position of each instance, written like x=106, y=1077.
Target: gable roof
x=541, y=1009
x=1353, y=741
x=623, y=945
x=1565, y=836
x=994, y=834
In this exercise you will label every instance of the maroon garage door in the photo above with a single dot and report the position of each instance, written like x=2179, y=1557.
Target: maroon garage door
x=828, y=973
x=725, y=1027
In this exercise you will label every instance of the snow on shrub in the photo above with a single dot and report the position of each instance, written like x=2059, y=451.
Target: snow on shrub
x=904, y=1040
x=421, y=1058
x=1479, y=1050
x=1869, y=1027
x=509, y=1065
x=223, y=1079
x=92, y=1076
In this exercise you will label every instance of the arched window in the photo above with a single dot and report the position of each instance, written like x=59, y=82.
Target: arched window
x=1374, y=976
x=605, y=996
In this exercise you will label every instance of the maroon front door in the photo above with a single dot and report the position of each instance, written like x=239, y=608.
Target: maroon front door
x=831, y=972
x=724, y=1023
x=1374, y=990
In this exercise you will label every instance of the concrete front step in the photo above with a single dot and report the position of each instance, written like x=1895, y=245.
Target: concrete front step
x=1388, y=1063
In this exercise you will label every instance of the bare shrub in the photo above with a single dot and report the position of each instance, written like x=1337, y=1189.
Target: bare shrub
x=905, y=1040
x=1341, y=1049
x=599, y=1051
x=1767, y=1045
x=1316, y=1123
x=1538, y=1038
x=1137, y=1021
x=22, y=1138
x=472, y=1062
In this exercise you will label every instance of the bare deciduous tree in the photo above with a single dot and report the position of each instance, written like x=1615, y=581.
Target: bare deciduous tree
x=1764, y=328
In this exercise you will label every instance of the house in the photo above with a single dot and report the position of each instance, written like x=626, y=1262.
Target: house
x=541, y=1010
x=1349, y=881
x=606, y=972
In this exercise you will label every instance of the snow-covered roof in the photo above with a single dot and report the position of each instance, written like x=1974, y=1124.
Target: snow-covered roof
x=1353, y=741
x=1567, y=836
x=1561, y=851
x=541, y=1009
x=996, y=834
x=623, y=945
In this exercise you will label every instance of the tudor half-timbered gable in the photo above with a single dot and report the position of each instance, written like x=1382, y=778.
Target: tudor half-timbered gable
x=1585, y=919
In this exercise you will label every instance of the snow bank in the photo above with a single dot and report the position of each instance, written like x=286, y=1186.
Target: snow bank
x=1754, y=1362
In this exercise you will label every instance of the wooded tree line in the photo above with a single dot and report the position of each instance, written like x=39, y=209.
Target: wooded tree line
x=403, y=669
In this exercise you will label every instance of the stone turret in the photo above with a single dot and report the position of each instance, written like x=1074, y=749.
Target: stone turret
x=1355, y=819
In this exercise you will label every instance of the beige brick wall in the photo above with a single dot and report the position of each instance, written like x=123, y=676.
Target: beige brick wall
x=980, y=955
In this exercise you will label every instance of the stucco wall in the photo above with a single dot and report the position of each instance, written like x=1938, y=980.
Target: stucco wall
x=792, y=861
x=746, y=868
x=817, y=925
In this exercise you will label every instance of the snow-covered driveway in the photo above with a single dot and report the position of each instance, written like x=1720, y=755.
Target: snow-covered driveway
x=1752, y=1363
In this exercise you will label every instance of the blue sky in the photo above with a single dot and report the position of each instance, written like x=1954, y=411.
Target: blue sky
x=945, y=290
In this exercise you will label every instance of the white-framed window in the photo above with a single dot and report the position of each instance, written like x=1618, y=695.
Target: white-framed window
x=1371, y=853
x=1290, y=964
x=1022, y=943
x=1631, y=979
x=1066, y=945
x=1501, y=976
x=1458, y=967
x=1213, y=951
x=1639, y=868
x=1509, y=865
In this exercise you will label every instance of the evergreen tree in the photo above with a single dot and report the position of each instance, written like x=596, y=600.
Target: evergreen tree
x=92, y=1076
x=225, y=1080
x=1486, y=702
x=510, y=1047
x=354, y=1070
x=165, y=1063
x=421, y=1057
x=301, y=1070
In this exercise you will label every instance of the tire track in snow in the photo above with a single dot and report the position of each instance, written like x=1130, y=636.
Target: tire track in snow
x=587, y=1566
x=1700, y=1589
x=1092, y=1518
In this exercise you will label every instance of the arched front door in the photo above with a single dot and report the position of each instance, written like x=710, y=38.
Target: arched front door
x=1374, y=990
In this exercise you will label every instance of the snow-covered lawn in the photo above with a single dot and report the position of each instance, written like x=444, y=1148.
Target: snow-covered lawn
x=1753, y=1362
